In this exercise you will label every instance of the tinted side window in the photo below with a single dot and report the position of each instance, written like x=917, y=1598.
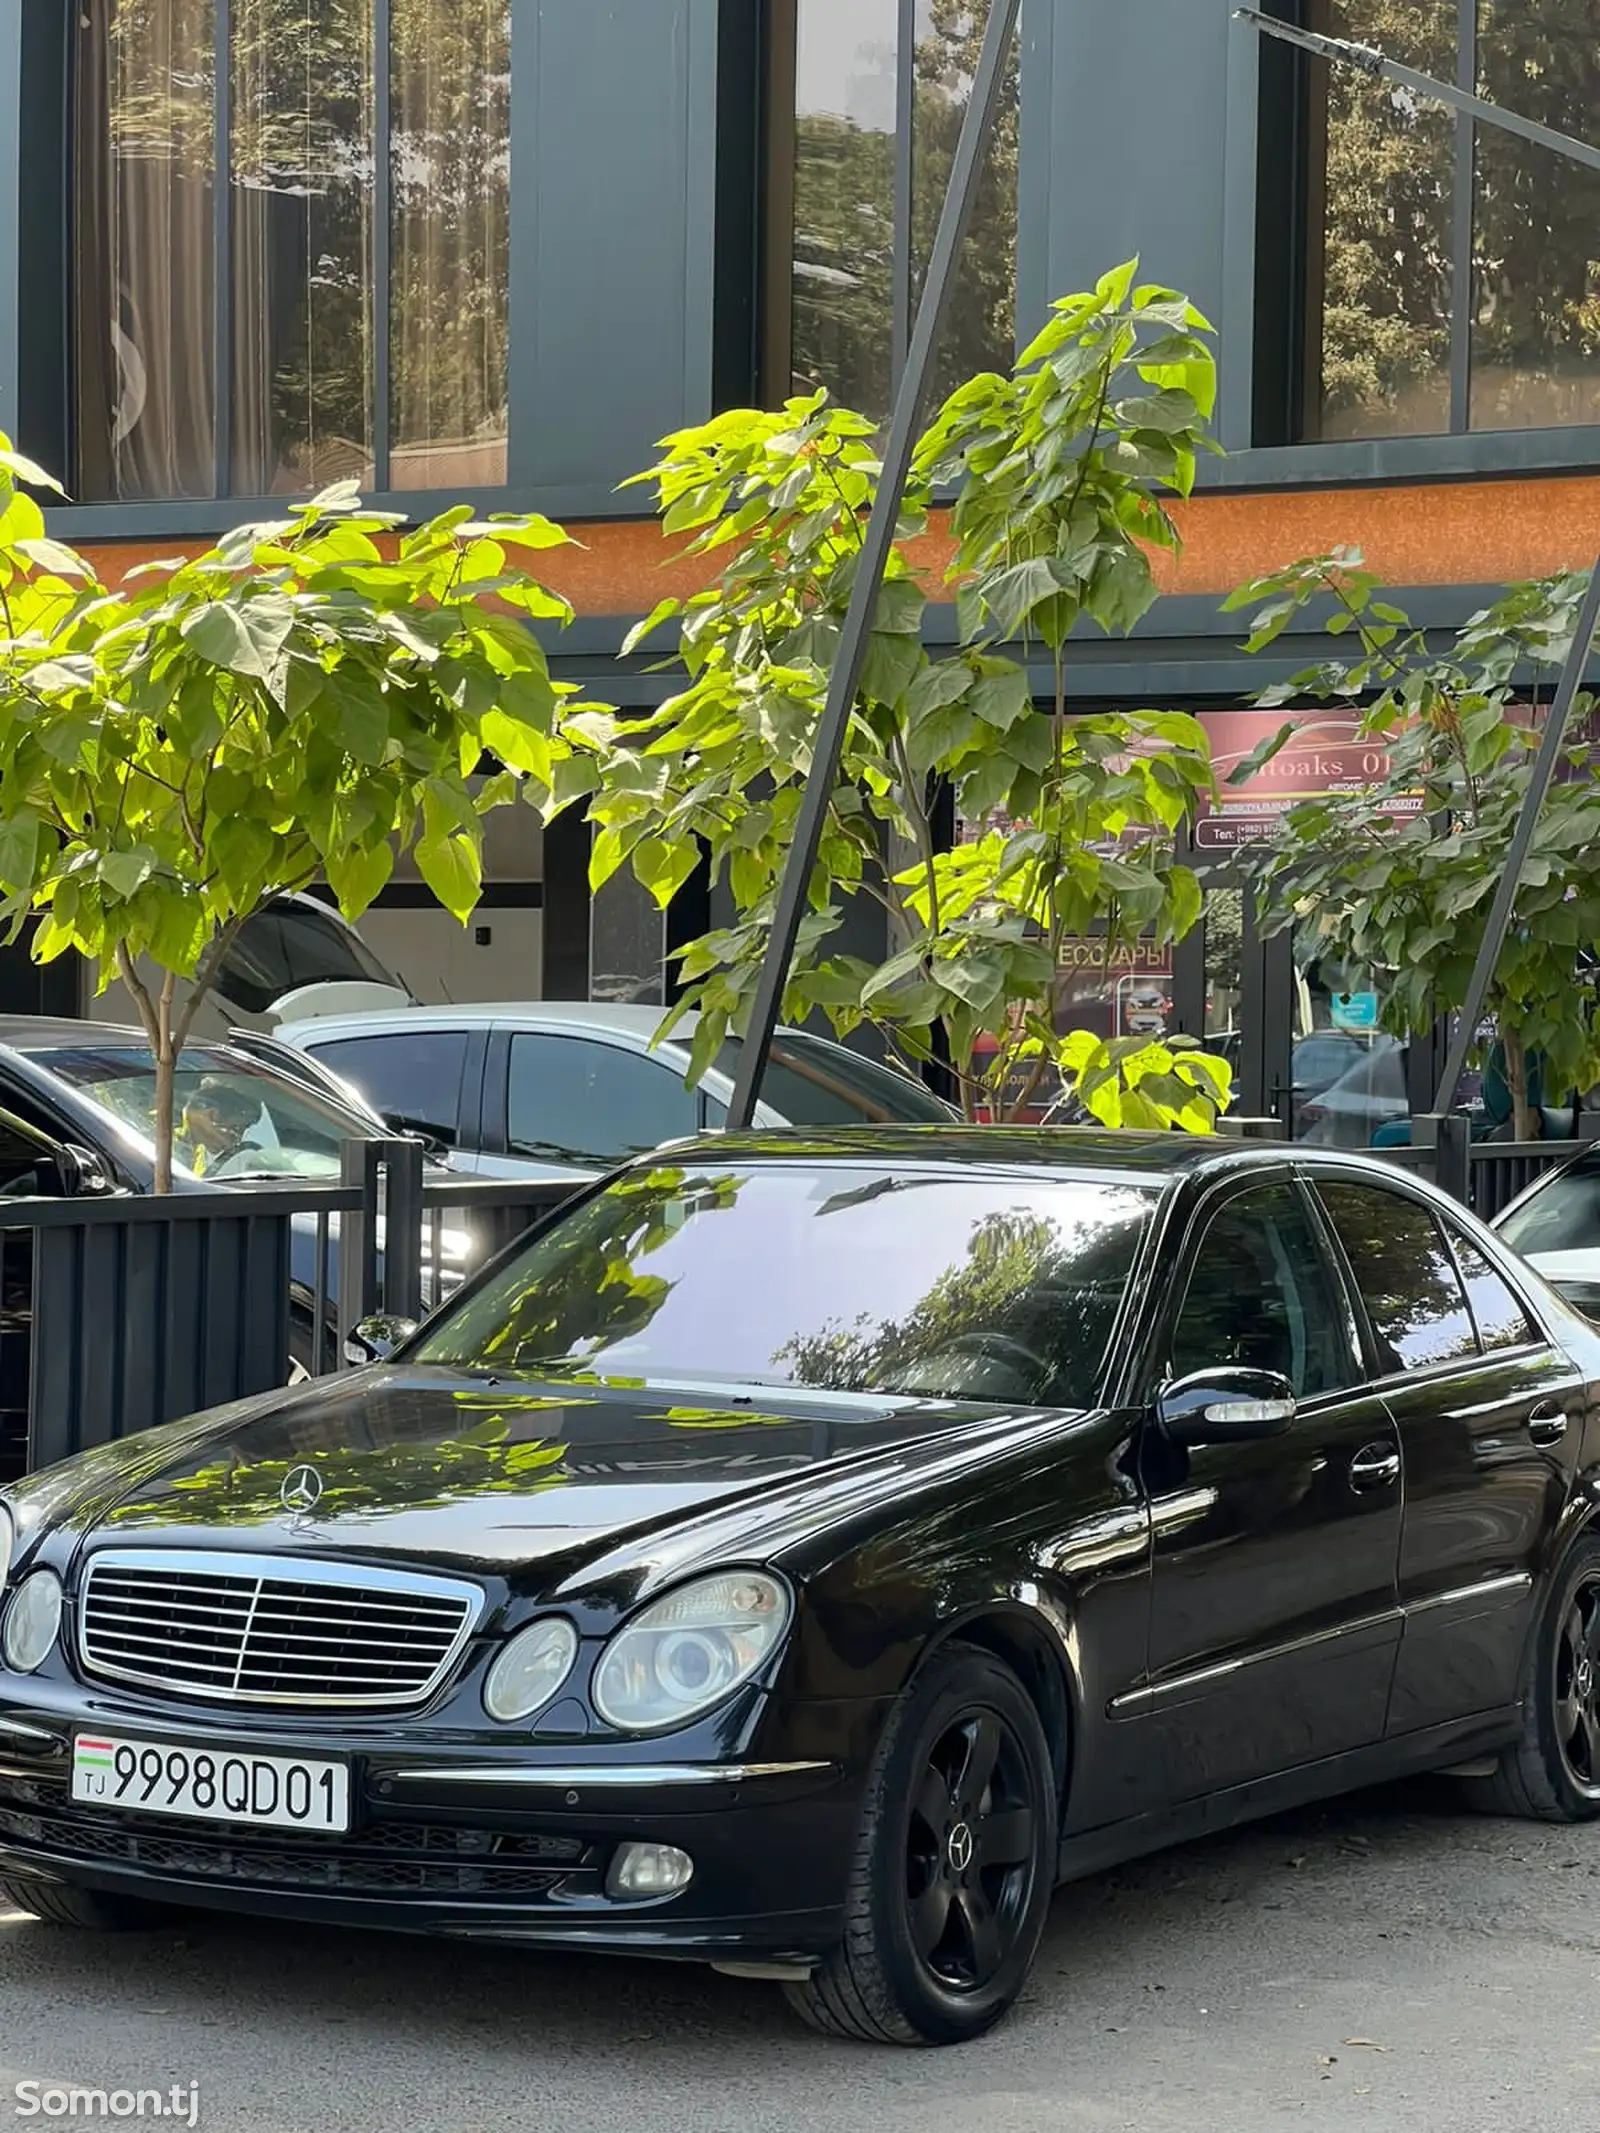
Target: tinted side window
x=1262, y=1296
x=1405, y=1274
x=1501, y=1320
x=24, y=1164
x=413, y=1078
x=592, y=1102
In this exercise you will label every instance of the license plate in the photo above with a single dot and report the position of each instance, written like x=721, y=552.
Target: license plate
x=210, y=1785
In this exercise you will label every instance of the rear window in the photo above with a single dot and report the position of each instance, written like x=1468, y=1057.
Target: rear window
x=809, y=1082
x=290, y=945
x=1562, y=1216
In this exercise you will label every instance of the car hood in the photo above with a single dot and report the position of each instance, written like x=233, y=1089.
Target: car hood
x=550, y=1484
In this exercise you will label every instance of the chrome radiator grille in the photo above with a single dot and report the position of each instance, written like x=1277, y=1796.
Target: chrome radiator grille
x=267, y=1629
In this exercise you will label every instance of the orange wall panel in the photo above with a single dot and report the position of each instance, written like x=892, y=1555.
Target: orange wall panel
x=1454, y=533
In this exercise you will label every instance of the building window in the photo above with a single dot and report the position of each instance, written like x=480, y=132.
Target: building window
x=873, y=95
x=290, y=246
x=1453, y=271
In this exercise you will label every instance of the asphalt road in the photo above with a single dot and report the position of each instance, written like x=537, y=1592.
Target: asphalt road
x=1387, y=1963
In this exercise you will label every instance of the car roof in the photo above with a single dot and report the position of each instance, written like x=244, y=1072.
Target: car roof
x=621, y=1018
x=1130, y=1154
x=30, y=1033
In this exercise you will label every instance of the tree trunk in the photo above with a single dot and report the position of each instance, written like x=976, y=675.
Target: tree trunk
x=1525, y=1124
x=165, y=1065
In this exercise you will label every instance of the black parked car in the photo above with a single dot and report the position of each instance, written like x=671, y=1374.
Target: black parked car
x=77, y=1116
x=803, y=1553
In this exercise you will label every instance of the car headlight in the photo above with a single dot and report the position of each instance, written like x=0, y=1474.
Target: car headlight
x=530, y=1670
x=32, y=1620
x=690, y=1650
x=8, y=1543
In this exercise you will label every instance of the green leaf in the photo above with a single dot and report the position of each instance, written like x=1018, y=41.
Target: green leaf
x=358, y=875
x=518, y=745
x=453, y=870
x=19, y=846
x=360, y=713
x=1169, y=411
x=901, y=606
x=1012, y=595
x=1001, y=696
x=242, y=638
x=892, y=664
x=663, y=611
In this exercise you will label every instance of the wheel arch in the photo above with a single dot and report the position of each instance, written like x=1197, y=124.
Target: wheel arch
x=1023, y=1639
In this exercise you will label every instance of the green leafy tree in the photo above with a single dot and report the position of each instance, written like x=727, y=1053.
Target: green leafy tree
x=1058, y=470
x=1397, y=876
x=306, y=699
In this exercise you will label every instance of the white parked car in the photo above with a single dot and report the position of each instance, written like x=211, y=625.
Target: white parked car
x=559, y=1088
x=1555, y=1225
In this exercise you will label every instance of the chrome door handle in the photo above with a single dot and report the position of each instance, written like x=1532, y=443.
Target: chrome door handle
x=1375, y=1466
x=1547, y=1425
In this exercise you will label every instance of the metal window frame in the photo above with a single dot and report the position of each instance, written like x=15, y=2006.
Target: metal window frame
x=223, y=507
x=1471, y=109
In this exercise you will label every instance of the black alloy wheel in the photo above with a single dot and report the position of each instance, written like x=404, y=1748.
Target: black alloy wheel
x=954, y=1867
x=1576, y=1688
x=969, y=1852
x=1551, y=1773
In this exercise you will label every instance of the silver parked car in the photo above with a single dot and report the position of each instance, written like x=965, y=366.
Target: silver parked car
x=560, y=1088
x=1555, y=1225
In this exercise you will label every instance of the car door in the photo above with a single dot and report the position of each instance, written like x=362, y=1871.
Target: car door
x=1481, y=1399
x=578, y=1102
x=1274, y=1619
x=414, y=1078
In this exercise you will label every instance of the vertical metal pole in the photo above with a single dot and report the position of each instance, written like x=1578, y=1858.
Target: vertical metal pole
x=976, y=132
x=1505, y=895
x=222, y=249
x=382, y=211
x=1465, y=183
x=905, y=188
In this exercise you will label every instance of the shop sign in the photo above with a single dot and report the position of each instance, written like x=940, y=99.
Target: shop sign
x=1326, y=755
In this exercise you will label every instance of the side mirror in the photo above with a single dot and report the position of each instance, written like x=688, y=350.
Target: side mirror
x=375, y=1339
x=1226, y=1406
x=82, y=1171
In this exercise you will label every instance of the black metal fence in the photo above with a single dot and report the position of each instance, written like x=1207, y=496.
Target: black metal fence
x=123, y=1312
x=120, y=1313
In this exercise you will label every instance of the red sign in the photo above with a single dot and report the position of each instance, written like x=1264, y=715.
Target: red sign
x=1326, y=755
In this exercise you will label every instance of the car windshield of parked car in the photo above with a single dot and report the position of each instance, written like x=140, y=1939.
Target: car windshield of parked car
x=234, y=1119
x=845, y=1277
x=1562, y=1216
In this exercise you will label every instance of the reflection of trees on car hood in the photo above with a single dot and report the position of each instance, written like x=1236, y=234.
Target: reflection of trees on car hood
x=417, y=1470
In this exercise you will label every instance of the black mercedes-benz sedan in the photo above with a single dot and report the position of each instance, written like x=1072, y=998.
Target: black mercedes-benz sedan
x=802, y=1554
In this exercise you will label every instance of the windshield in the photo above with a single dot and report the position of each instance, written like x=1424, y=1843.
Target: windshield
x=848, y=1277
x=810, y=1082
x=1562, y=1216
x=234, y=1119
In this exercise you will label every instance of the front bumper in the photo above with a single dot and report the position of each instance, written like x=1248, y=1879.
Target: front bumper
x=455, y=1837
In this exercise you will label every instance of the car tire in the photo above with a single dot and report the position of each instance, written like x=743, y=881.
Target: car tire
x=59, y=1903
x=303, y=1347
x=954, y=1867
x=1551, y=1773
